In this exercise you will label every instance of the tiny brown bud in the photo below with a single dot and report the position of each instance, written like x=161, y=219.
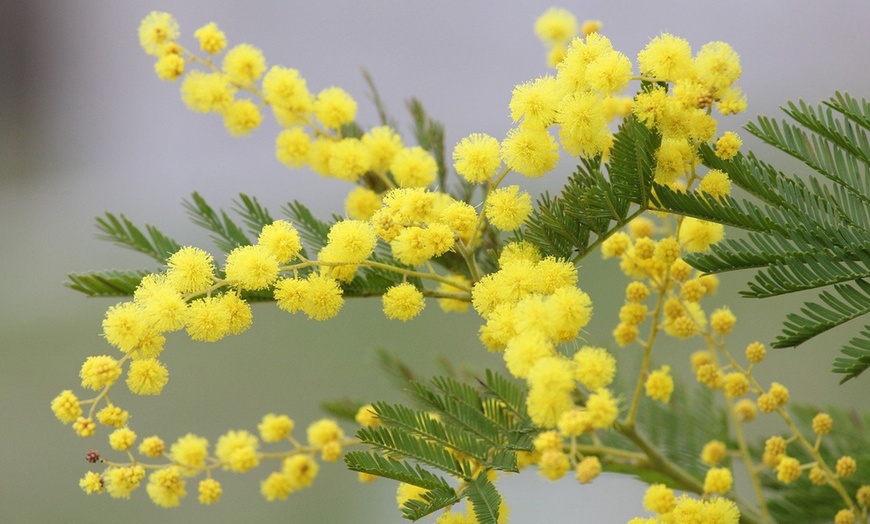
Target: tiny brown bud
x=92, y=456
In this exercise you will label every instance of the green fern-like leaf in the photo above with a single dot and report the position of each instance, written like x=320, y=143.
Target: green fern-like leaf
x=809, y=233
x=122, y=231
x=226, y=234
x=397, y=441
x=433, y=500
x=390, y=468
x=106, y=283
x=254, y=215
x=484, y=499
x=593, y=205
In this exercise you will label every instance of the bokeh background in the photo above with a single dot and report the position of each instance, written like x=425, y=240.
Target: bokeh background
x=86, y=127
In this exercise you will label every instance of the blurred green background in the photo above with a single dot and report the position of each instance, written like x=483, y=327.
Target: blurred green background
x=85, y=127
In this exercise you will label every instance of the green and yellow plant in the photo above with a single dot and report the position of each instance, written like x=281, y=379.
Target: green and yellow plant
x=655, y=188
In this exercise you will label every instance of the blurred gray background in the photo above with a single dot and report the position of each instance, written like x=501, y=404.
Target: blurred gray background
x=86, y=127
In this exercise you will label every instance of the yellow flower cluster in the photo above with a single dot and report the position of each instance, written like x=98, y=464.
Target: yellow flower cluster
x=531, y=305
x=668, y=507
x=237, y=451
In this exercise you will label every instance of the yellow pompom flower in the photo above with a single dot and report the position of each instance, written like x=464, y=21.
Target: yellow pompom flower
x=361, y=203
x=244, y=64
x=591, y=26
x=210, y=491
x=745, y=410
x=583, y=124
x=603, y=409
x=301, y=470
x=722, y=321
x=120, y=482
x=323, y=431
x=277, y=486
x=190, y=270
x=556, y=273
x=822, y=424
x=728, y=145
x=122, y=439
x=318, y=158
x=553, y=464
x=524, y=350
x=718, y=480
x=275, y=428
x=238, y=311
x=349, y=159
x=461, y=218
x=713, y=452
x=334, y=107
x=632, y=313
x=659, y=384
x=293, y=147
x=252, y=267
x=846, y=466
x=147, y=377
x=862, y=497
x=84, y=427
x=290, y=293
x=660, y=499
x=508, y=207
x=152, y=447
x=366, y=416
x=529, y=151
x=595, y=367
x=788, y=470
x=323, y=298
x=731, y=101
x=609, y=73
x=125, y=326
x=636, y=292
x=383, y=143
x=845, y=516
x=403, y=302
x=476, y=158
x=211, y=39
x=207, y=92
x=237, y=451
x=99, y=371
x=287, y=92
x=666, y=57
x=414, y=167
x=588, y=469
x=736, y=385
x=698, y=235
x=113, y=416
x=190, y=451
x=66, y=407
x=574, y=423
x=755, y=352
x=91, y=483
x=169, y=67
x=556, y=26
x=354, y=240
x=207, y=320
x=241, y=117
x=535, y=102
x=717, y=65
x=641, y=228
x=715, y=183
x=615, y=245
x=156, y=31
x=281, y=239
